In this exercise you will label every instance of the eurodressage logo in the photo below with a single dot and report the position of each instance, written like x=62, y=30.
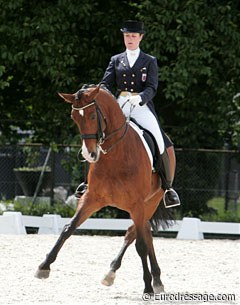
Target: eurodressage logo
x=184, y=298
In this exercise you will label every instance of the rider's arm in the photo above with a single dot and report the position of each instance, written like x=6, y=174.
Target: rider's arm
x=151, y=84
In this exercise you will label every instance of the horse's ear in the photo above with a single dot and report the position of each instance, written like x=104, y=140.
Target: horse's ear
x=69, y=98
x=93, y=94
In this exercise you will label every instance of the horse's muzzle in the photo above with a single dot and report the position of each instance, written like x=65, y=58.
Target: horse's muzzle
x=91, y=155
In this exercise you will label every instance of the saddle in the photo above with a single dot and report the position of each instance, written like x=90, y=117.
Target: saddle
x=152, y=144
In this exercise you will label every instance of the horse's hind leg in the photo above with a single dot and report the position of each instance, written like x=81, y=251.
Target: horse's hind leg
x=142, y=245
x=116, y=263
x=85, y=211
x=155, y=270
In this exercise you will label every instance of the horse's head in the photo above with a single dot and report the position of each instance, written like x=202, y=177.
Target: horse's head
x=89, y=118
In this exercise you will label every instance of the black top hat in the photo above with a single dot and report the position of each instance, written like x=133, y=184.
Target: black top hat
x=133, y=26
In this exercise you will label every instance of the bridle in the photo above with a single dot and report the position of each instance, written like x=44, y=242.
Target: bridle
x=100, y=136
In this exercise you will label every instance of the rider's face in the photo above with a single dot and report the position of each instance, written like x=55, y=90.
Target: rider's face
x=132, y=40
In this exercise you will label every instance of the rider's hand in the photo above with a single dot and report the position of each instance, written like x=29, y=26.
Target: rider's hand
x=135, y=100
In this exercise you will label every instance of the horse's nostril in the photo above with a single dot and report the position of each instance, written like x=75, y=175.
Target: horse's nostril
x=93, y=155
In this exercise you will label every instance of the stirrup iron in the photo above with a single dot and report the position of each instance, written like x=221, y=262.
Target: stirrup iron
x=167, y=206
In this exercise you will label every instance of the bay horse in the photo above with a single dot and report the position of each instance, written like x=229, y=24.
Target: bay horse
x=120, y=175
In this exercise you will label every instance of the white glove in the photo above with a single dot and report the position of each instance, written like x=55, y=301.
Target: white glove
x=135, y=100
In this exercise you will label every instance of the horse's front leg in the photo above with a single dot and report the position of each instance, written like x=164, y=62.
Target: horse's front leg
x=85, y=210
x=44, y=268
x=129, y=237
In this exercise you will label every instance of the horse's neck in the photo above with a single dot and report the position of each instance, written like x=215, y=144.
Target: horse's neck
x=114, y=115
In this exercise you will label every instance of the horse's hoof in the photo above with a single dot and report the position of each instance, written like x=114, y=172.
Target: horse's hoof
x=108, y=279
x=158, y=288
x=147, y=296
x=42, y=274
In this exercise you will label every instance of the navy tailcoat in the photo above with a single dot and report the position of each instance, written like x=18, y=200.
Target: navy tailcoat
x=141, y=78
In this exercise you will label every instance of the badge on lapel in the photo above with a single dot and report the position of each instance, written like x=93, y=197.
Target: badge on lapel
x=123, y=63
x=144, y=74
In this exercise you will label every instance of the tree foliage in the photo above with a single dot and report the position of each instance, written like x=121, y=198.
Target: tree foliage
x=196, y=43
x=49, y=47
x=52, y=46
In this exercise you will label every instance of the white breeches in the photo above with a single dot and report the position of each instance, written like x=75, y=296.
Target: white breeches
x=145, y=118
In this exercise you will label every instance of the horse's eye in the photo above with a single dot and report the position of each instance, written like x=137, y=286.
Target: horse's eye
x=93, y=116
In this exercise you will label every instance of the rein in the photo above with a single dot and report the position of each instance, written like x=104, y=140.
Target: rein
x=105, y=151
x=100, y=135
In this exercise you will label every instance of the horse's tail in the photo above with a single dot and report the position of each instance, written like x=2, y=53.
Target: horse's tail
x=162, y=217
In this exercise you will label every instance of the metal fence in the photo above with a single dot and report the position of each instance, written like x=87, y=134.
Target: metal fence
x=200, y=175
x=205, y=174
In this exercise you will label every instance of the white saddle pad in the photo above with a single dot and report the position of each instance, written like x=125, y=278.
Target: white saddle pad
x=140, y=133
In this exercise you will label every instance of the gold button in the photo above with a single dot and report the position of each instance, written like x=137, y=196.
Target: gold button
x=131, y=90
x=133, y=75
x=132, y=83
x=125, y=82
x=124, y=75
x=126, y=89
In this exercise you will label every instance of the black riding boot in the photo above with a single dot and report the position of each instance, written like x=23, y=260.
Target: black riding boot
x=81, y=189
x=170, y=197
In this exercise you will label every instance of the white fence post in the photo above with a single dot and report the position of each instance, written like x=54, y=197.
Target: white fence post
x=54, y=228
x=11, y=223
x=190, y=229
